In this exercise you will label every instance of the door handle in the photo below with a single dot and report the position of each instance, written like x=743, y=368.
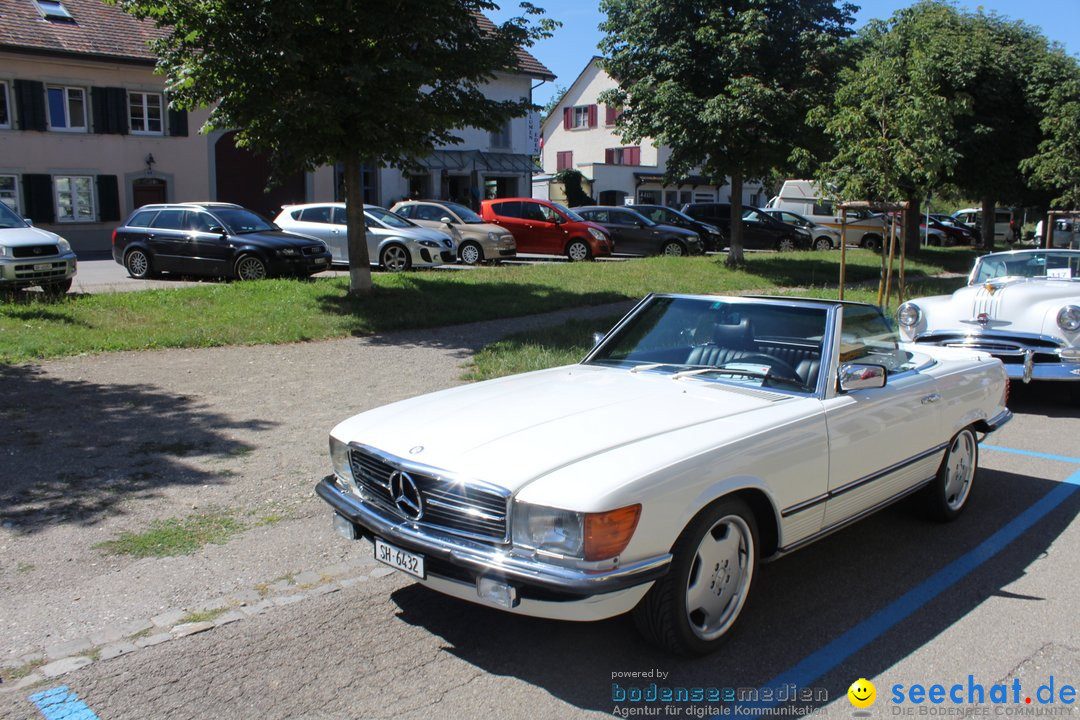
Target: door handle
x=931, y=398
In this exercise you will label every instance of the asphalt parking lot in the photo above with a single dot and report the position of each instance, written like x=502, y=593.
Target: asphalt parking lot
x=985, y=607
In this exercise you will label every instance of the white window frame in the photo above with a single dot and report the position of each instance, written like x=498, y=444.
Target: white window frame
x=14, y=194
x=67, y=108
x=79, y=214
x=5, y=99
x=144, y=106
x=581, y=112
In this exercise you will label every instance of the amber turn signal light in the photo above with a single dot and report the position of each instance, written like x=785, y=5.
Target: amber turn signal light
x=608, y=533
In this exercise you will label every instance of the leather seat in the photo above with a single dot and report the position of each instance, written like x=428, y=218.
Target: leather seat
x=729, y=343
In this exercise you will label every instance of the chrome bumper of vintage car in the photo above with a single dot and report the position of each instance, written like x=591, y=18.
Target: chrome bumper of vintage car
x=482, y=559
x=1026, y=357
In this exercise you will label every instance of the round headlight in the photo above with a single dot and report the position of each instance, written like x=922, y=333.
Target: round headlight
x=492, y=237
x=1068, y=318
x=908, y=314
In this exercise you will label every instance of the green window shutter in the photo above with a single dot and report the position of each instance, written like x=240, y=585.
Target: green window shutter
x=30, y=103
x=38, y=198
x=178, y=125
x=109, y=110
x=108, y=189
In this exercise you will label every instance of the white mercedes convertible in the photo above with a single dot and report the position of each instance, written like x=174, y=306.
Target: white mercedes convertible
x=699, y=437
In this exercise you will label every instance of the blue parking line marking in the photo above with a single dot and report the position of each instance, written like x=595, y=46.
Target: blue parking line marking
x=1031, y=453
x=60, y=703
x=825, y=660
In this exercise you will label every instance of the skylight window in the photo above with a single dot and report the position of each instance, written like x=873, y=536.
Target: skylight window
x=53, y=10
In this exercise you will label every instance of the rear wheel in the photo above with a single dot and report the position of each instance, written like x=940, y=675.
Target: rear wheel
x=872, y=242
x=947, y=494
x=785, y=244
x=673, y=248
x=137, y=263
x=690, y=610
x=577, y=251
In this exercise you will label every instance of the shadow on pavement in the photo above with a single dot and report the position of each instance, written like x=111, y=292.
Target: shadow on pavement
x=75, y=451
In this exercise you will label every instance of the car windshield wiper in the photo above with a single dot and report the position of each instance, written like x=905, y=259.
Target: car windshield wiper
x=763, y=375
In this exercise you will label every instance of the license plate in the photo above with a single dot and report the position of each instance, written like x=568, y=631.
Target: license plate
x=43, y=266
x=399, y=559
x=321, y=261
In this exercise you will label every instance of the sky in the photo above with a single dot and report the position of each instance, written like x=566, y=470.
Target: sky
x=574, y=43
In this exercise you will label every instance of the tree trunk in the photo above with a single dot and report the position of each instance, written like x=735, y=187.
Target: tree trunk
x=988, y=220
x=912, y=237
x=735, y=257
x=359, y=262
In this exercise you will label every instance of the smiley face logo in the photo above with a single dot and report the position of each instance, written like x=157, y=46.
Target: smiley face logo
x=862, y=693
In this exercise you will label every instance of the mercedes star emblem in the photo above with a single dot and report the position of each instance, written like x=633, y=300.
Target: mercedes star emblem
x=406, y=495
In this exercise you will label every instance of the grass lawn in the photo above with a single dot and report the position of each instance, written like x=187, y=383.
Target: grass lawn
x=278, y=311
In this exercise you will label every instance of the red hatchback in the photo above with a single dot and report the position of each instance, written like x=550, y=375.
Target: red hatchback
x=539, y=226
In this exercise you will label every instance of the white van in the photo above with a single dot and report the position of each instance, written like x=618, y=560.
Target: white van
x=802, y=197
x=972, y=217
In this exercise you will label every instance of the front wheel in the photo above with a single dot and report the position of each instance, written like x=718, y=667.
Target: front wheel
x=690, y=610
x=947, y=494
x=577, y=251
x=395, y=258
x=471, y=254
x=873, y=242
x=57, y=289
x=250, y=267
x=823, y=243
x=673, y=248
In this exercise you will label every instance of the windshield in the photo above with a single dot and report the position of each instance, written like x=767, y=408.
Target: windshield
x=9, y=219
x=569, y=213
x=763, y=344
x=467, y=216
x=242, y=220
x=387, y=219
x=1031, y=264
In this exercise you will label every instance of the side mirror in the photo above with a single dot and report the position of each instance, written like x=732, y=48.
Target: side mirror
x=216, y=229
x=29, y=222
x=853, y=376
x=446, y=220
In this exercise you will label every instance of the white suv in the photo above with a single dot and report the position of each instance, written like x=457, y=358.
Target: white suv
x=32, y=257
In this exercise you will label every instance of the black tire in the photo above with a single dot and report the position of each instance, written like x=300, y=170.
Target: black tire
x=873, y=242
x=395, y=258
x=578, y=250
x=470, y=253
x=665, y=616
x=823, y=243
x=674, y=248
x=786, y=244
x=139, y=264
x=948, y=493
x=58, y=288
x=250, y=267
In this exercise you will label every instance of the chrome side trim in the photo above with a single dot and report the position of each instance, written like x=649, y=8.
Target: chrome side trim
x=848, y=521
x=855, y=484
x=496, y=561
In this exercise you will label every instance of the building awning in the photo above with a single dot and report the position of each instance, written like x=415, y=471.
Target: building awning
x=468, y=160
x=658, y=178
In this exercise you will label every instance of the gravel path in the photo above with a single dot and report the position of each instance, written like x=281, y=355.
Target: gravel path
x=93, y=446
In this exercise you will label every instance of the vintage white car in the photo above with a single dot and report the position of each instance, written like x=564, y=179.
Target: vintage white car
x=700, y=436
x=1021, y=306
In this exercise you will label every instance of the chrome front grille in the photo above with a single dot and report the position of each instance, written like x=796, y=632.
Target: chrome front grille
x=468, y=509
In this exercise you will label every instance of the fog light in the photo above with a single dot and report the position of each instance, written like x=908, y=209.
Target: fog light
x=496, y=592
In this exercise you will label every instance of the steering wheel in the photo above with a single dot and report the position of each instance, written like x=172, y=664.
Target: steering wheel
x=778, y=367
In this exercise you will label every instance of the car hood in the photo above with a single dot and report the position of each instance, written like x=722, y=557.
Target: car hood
x=514, y=430
x=274, y=239
x=19, y=236
x=675, y=230
x=481, y=230
x=1018, y=304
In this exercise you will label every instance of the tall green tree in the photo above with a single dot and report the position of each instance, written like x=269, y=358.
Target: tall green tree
x=1055, y=90
x=314, y=82
x=726, y=84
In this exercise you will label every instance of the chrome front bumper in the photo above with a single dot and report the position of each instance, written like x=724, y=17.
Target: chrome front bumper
x=1025, y=357
x=478, y=559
